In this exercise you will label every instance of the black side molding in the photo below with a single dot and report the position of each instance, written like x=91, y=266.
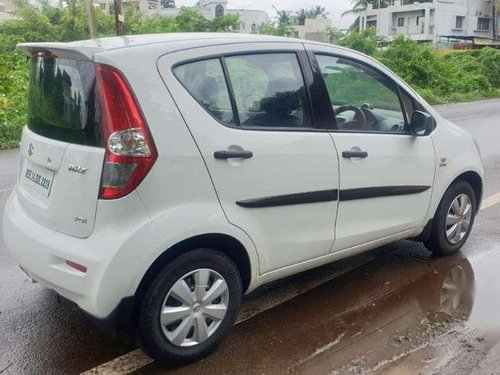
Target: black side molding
x=289, y=199
x=380, y=191
x=331, y=195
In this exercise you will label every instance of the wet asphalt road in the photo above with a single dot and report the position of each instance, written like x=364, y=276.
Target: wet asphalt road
x=395, y=310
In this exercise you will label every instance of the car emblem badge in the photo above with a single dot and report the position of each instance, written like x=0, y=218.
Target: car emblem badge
x=77, y=169
x=30, y=149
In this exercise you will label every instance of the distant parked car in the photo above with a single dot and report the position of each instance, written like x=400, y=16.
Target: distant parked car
x=164, y=176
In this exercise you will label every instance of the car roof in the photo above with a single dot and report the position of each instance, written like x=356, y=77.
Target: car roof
x=86, y=48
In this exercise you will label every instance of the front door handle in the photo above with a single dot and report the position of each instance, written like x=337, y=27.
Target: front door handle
x=227, y=154
x=354, y=154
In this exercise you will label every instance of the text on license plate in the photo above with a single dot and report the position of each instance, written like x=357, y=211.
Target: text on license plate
x=38, y=178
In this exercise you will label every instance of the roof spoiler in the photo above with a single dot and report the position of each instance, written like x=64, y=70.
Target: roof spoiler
x=76, y=51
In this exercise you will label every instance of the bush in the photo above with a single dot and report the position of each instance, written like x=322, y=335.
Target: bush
x=40, y=22
x=438, y=77
x=441, y=78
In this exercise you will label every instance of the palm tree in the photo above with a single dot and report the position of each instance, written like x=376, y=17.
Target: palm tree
x=284, y=17
x=301, y=16
x=317, y=11
x=361, y=5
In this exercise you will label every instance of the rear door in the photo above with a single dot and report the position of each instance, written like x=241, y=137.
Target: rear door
x=386, y=173
x=61, y=154
x=275, y=174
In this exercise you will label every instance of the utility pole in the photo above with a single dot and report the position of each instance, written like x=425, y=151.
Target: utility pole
x=89, y=8
x=119, y=19
x=495, y=20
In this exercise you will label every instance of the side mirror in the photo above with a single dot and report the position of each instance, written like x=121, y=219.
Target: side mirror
x=421, y=123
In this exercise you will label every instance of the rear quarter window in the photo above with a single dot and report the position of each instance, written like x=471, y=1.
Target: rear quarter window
x=205, y=81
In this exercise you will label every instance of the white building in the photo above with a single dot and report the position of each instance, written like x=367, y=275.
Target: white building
x=434, y=21
x=7, y=10
x=250, y=20
x=315, y=29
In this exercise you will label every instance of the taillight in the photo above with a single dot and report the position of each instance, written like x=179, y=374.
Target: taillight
x=130, y=150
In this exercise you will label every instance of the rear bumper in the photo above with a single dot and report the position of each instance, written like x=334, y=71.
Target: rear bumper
x=112, y=272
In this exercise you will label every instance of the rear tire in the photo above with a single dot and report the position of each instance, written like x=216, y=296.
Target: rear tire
x=186, y=286
x=453, y=220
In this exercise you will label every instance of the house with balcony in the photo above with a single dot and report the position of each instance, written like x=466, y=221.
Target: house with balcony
x=441, y=22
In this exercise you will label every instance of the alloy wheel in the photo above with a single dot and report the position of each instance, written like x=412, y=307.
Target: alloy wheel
x=458, y=219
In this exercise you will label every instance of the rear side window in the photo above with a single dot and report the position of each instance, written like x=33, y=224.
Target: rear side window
x=264, y=90
x=205, y=81
x=61, y=103
x=269, y=90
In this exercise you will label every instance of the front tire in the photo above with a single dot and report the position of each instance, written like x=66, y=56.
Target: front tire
x=453, y=220
x=190, y=306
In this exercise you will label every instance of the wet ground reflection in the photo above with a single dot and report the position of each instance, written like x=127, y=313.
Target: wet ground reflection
x=388, y=307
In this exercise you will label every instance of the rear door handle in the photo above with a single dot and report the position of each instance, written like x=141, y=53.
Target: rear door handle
x=226, y=154
x=354, y=154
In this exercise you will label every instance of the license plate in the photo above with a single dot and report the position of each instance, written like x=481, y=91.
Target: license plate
x=38, y=178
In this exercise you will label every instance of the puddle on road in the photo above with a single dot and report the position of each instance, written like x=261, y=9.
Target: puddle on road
x=403, y=313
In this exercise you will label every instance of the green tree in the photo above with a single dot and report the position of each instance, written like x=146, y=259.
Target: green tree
x=284, y=17
x=336, y=35
x=359, y=6
x=317, y=11
x=301, y=15
x=226, y=22
x=366, y=41
x=191, y=20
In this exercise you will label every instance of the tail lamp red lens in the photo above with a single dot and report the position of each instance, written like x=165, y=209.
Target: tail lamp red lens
x=130, y=150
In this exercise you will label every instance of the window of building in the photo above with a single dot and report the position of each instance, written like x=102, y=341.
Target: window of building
x=483, y=24
x=254, y=28
x=371, y=21
x=401, y=22
x=219, y=11
x=459, y=22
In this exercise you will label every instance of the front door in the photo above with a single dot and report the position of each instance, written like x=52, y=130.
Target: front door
x=386, y=174
x=276, y=175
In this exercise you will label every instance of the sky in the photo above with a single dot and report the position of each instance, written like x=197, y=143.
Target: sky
x=334, y=7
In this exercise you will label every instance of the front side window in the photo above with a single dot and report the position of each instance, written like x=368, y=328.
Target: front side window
x=269, y=90
x=401, y=22
x=205, y=81
x=459, y=22
x=362, y=99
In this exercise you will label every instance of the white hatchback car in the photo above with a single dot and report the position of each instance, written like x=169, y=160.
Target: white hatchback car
x=164, y=176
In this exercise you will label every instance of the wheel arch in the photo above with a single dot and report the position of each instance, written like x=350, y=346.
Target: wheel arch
x=475, y=180
x=224, y=243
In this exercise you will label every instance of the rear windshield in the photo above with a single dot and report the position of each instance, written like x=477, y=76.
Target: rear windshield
x=62, y=103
